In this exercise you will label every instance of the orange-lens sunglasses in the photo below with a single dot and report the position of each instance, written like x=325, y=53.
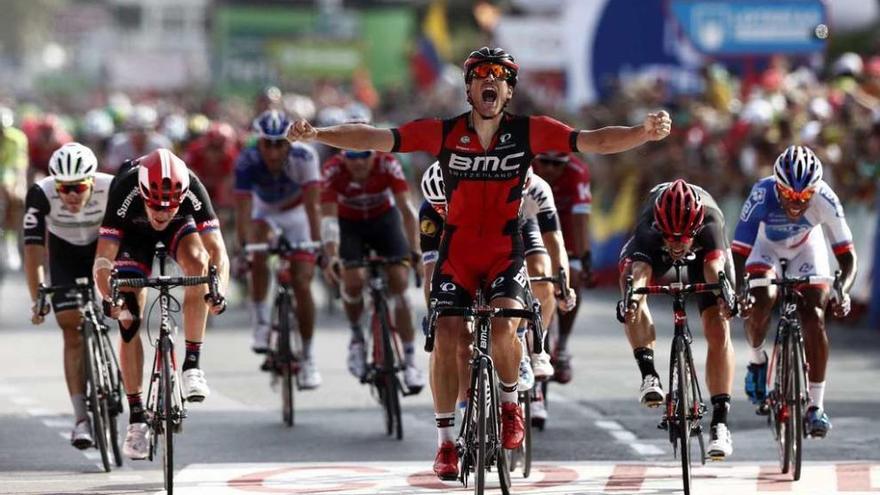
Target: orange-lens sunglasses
x=482, y=71
x=76, y=187
x=794, y=196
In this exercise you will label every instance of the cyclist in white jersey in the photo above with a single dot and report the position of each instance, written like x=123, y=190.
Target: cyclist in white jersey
x=63, y=214
x=789, y=215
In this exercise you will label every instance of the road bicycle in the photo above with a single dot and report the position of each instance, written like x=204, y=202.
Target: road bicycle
x=685, y=408
x=165, y=409
x=787, y=370
x=284, y=357
x=104, y=390
x=479, y=441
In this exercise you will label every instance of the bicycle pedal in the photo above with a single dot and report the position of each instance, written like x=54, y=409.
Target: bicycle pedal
x=763, y=409
x=663, y=425
x=412, y=391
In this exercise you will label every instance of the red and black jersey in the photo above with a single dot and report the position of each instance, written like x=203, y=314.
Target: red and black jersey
x=362, y=200
x=484, y=186
x=571, y=192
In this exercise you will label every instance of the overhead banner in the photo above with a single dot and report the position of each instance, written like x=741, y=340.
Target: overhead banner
x=752, y=27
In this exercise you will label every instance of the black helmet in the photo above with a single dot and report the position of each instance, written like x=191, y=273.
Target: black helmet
x=491, y=55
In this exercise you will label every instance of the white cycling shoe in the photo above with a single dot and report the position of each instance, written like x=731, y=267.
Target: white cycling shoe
x=651, y=393
x=357, y=359
x=526, y=376
x=413, y=378
x=260, y=338
x=195, y=387
x=137, y=442
x=720, y=443
x=81, y=436
x=542, y=367
x=309, y=378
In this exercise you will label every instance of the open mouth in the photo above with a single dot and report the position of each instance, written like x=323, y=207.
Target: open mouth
x=490, y=95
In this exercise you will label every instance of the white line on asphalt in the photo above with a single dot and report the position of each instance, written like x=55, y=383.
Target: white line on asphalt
x=92, y=455
x=21, y=400
x=56, y=422
x=8, y=390
x=40, y=411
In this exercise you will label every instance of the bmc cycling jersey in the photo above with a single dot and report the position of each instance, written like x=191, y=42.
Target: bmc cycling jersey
x=126, y=221
x=572, y=194
x=710, y=243
x=763, y=220
x=358, y=201
x=484, y=190
x=273, y=193
x=71, y=236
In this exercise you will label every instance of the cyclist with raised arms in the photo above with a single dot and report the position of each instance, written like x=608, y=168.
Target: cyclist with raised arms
x=681, y=222
x=277, y=186
x=484, y=155
x=365, y=205
x=781, y=219
x=63, y=214
x=158, y=199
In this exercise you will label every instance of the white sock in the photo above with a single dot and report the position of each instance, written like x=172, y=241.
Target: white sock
x=409, y=353
x=817, y=394
x=260, y=312
x=80, y=411
x=445, y=427
x=307, y=349
x=758, y=355
x=508, y=392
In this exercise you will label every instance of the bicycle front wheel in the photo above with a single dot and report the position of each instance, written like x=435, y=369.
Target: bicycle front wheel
x=683, y=406
x=782, y=408
x=97, y=396
x=168, y=415
x=797, y=400
x=482, y=454
x=284, y=358
x=115, y=393
x=391, y=401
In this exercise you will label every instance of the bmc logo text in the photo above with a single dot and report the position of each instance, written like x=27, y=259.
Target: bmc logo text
x=508, y=163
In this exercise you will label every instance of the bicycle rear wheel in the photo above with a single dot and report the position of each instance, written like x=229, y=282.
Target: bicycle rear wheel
x=797, y=401
x=168, y=415
x=683, y=405
x=97, y=397
x=284, y=358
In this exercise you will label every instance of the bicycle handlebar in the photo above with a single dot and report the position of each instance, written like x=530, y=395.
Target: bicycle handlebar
x=560, y=280
x=81, y=285
x=283, y=247
x=678, y=288
x=836, y=282
x=164, y=281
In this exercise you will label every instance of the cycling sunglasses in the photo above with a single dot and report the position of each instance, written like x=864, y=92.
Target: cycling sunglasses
x=273, y=143
x=74, y=187
x=356, y=155
x=159, y=207
x=482, y=71
x=795, y=196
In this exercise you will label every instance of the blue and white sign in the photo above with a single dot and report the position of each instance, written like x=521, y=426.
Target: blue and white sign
x=751, y=27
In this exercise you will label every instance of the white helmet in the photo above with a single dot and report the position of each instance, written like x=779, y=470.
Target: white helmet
x=73, y=162
x=432, y=185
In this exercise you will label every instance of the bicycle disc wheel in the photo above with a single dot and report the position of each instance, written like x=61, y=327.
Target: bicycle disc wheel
x=97, y=398
x=796, y=417
x=168, y=412
x=284, y=359
x=481, y=461
x=683, y=407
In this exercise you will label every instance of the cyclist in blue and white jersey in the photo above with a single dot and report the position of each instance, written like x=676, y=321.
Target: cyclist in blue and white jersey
x=781, y=219
x=277, y=184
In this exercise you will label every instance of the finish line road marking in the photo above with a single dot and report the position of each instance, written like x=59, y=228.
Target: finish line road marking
x=547, y=478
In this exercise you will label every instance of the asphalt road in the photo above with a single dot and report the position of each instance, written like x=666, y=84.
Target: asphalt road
x=598, y=439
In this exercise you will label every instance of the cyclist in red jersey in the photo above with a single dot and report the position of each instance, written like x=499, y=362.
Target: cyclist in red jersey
x=484, y=155
x=365, y=206
x=212, y=157
x=44, y=137
x=569, y=179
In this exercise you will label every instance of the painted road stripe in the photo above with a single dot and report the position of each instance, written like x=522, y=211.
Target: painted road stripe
x=547, y=478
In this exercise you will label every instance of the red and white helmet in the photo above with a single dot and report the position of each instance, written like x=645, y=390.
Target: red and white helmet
x=163, y=179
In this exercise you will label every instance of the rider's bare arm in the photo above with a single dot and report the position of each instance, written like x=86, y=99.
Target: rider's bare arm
x=311, y=201
x=243, y=205
x=34, y=268
x=105, y=253
x=330, y=213
x=614, y=139
x=360, y=137
x=408, y=215
x=213, y=242
x=848, y=265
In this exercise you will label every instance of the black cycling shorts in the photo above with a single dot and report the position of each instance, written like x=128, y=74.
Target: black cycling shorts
x=68, y=262
x=136, y=252
x=383, y=234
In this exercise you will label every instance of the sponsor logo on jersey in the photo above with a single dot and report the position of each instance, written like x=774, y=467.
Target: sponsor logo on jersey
x=754, y=200
x=465, y=140
x=483, y=166
x=197, y=205
x=126, y=203
x=428, y=227
x=504, y=138
x=30, y=218
x=110, y=232
x=447, y=287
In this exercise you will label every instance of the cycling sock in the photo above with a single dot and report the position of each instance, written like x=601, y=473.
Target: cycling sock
x=721, y=404
x=357, y=333
x=462, y=408
x=135, y=409
x=645, y=359
x=260, y=312
x=445, y=427
x=817, y=394
x=307, y=349
x=193, y=349
x=562, y=342
x=508, y=392
x=80, y=411
x=409, y=353
x=758, y=355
